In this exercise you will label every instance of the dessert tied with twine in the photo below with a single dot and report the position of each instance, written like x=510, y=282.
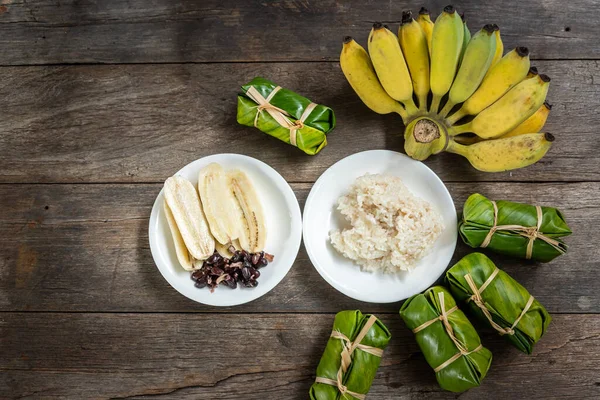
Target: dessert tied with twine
x=447, y=339
x=286, y=115
x=515, y=229
x=351, y=357
x=496, y=299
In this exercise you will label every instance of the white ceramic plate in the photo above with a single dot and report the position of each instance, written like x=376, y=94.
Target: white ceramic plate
x=321, y=216
x=284, y=232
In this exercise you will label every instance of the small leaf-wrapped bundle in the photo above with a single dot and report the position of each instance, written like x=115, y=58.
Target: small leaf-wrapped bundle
x=351, y=358
x=285, y=115
x=515, y=229
x=447, y=339
x=498, y=300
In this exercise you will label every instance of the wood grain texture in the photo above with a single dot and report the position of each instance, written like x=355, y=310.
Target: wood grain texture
x=216, y=356
x=89, y=252
x=142, y=31
x=143, y=123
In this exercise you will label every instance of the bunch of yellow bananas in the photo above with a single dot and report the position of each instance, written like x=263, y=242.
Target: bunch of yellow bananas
x=454, y=92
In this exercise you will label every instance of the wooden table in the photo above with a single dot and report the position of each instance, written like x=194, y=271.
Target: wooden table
x=101, y=101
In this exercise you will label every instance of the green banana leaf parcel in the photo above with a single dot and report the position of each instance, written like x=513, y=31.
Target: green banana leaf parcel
x=478, y=219
x=311, y=137
x=363, y=367
x=467, y=370
x=504, y=298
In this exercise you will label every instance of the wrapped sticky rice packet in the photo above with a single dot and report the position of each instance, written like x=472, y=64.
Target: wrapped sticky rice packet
x=515, y=229
x=286, y=115
x=447, y=339
x=498, y=300
x=351, y=357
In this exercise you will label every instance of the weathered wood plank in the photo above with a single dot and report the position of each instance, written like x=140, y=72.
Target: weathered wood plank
x=143, y=123
x=89, y=252
x=209, y=356
x=141, y=31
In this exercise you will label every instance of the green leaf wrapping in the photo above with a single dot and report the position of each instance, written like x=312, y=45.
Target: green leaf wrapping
x=310, y=139
x=434, y=341
x=478, y=219
x=504, y=297
x=362, y=370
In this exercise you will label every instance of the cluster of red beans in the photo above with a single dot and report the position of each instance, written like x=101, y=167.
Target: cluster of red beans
x=242, y=268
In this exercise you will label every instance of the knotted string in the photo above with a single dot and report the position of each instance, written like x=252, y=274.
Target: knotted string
x=478, y=300
x=348, y=348
x=462, y=350
x=530, y=232
x=278, y=114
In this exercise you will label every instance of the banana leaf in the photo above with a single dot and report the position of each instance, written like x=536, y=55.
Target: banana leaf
x=504, y=298
x=361, y=372
x=478, y=219
x=311, y=138
x=435, y=342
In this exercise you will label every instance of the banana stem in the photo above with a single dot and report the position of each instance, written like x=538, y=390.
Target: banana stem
x=447, y=108
x=455, y=117
x=423, y=102
x=457, y=130
x=456, y=148
x=410, y=107
x=435, y=104
x=402, y=112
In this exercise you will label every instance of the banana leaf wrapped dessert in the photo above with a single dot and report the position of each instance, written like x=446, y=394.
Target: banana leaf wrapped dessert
x=351, y=357
x=447, y=339
x=515, y=229
x=498, y=300
x=285, y=115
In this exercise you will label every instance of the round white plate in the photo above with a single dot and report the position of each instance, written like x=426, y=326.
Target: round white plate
x=321, y=216
x=284, y=232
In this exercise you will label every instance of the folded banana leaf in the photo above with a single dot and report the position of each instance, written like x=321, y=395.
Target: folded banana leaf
x=455, y=371
x=503, y=298
x=518, y=231
x=286, y=115
x=360, y=372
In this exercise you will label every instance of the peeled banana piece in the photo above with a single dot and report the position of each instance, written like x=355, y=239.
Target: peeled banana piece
x=505, y=154
x=182, y=200
x=183, y=255
x=217, y=202
x=253, y=234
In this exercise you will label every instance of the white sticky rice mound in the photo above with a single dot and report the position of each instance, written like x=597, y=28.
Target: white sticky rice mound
x=392, y=229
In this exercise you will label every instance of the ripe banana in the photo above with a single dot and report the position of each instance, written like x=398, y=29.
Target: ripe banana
x=447, y=41
x=499, y=46
x=390, y=66
x=254, y=233
x=505, y=154
x=424, y=20
x=359, y=72
x=183, y=201
x=414, y=46
x=508, y=72
x=535, y=123
x=466, y=37
x=217, y=202
x=183, y=255
x=518, y=104
x=476, y=61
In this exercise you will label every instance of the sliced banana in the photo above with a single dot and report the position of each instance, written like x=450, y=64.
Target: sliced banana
x=184, y=203
x=183, y=255
x=254, y=233
x=217, y=202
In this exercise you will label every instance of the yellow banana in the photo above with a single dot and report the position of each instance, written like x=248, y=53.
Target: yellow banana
x=446, y=44
x=414, y=47
x=533, y=71
x=476, y=61
x=518, y=104
x=535, y=123
x=508, y=72
x=359, y=72
x=390, y=66
x=466, y=37
x=424, y=20
x=499, y=46
x=505, y=154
